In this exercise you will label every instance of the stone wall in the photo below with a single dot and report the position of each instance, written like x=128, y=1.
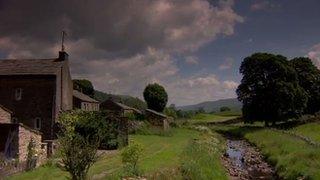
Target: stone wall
x=5, y=116
x=157, y=120
x=25, y=136
x=37, y=100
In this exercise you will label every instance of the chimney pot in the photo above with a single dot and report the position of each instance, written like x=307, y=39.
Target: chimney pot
x=63, y=56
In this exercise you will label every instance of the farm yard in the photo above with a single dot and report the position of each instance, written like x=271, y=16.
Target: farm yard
x=290, y=154
x=163, y=156
x=160, y=90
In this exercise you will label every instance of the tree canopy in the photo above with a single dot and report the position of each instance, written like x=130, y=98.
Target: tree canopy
x=270, y=89
x=84, y=86
x=309, y=80
x=156, y=97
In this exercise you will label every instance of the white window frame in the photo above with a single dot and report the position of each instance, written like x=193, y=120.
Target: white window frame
x=37, y=121
x=18, y=94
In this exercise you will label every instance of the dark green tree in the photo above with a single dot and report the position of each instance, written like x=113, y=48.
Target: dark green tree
x=156, y=97
x=224, y=108
x=270, y=89
x=84, y=86
x=309, y=80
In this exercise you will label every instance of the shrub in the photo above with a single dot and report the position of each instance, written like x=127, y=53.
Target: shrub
x=99, y=125
x=78, y=153
x=130, y=158
x=31, y=155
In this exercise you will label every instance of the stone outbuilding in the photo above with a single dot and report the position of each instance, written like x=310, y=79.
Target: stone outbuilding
x=14, y=141
x=118, y=108
x=84, y=102
x=157, y=119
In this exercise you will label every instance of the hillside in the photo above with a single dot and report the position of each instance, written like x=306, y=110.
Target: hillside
x=125, y=99
x=210, y=106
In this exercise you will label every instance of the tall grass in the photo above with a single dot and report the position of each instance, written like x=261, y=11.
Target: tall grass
x=201, y=159
x=292, y=157
x=311, y=131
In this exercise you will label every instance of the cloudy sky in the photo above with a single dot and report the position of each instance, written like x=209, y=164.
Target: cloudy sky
x=192, y=47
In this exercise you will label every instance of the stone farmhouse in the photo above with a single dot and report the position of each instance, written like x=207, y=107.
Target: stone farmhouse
x=36, y=91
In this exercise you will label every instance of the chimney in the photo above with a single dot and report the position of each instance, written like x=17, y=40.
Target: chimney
x=63, y=56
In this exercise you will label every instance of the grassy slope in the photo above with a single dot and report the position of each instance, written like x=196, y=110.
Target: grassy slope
x=160, y=152
x=201, y=118
x=311, y=131
x=291, y=156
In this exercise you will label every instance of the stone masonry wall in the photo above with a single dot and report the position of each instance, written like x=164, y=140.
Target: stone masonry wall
x=25, y=136
x=5, y=116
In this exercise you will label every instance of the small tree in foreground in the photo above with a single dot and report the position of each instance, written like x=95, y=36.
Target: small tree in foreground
x=156, y=97
x=130, y=158
x=78, y=153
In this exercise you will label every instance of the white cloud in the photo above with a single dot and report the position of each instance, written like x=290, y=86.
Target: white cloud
x=230, y=85
x=227, y=64
x=192, y=60
x=131, y=75
x=121, y=46
x=314, y=55
x=259, y=5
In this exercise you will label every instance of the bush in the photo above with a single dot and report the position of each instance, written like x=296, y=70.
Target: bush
x=31, y=156
x=78, y=153
x=99, y=125
x=130, y=158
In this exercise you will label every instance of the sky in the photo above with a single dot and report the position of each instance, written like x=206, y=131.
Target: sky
x=192, y=47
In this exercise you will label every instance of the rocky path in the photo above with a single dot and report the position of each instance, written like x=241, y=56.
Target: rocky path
x=244, y=161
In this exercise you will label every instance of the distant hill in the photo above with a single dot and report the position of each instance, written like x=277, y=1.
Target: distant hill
x=125, y=99
x=211, y=106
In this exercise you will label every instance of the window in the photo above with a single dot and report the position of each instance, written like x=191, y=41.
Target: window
x=37, y=123
x=18, y=94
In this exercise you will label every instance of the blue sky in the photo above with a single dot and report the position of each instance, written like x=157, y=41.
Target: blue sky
x=287, y=27
x=192, y=47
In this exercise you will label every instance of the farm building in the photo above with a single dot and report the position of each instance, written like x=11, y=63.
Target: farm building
x=36, y=91
x=157, y=119
x=84, y=102
x=118, y=108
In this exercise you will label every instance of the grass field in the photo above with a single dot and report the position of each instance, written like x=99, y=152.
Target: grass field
x=203, y=118
x=311, y=131
x=291, y=156
x=160, y=154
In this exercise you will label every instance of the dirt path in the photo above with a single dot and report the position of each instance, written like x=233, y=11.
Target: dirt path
x=243, y=161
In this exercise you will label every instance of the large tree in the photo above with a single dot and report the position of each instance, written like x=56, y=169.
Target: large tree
x=156, y=97
x=309, y=80
x=84, y=86
x=269, y=89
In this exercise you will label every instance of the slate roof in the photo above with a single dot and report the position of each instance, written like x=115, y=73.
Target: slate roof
x=125, y=107
x=30, y=66
x=83, y=97
x=6, y=109
x=156, y=113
